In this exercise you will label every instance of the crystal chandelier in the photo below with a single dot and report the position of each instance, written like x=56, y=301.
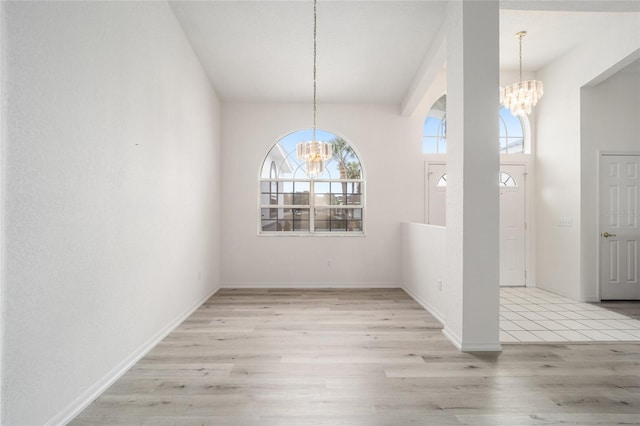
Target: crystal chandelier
x=314, y=153
x=521, y=97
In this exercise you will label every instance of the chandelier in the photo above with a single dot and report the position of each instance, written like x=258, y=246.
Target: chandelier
x=521, y=97
x=314, y=153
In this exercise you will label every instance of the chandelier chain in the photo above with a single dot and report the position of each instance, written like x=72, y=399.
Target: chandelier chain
x=315, y=42
x=314, y=153
x=521, y=34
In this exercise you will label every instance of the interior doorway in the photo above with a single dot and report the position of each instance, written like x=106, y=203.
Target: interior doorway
x=619, y=230
x=513, y=233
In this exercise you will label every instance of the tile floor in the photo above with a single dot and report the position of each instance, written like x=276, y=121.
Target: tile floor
x=532, y=315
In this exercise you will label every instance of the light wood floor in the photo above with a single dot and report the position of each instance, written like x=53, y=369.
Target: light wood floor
x=359, y=357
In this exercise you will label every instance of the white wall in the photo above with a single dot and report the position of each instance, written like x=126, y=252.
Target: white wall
x=610, y=121
x=424, y=265
x=472, y=206
x=389, y=147
x=558, y=152
x=110, y=195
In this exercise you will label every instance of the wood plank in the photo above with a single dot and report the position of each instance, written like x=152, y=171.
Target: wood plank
x=359, y=357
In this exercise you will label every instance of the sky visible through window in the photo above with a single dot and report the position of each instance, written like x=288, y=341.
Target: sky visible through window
x=296, y=168
x=293, y=201
x=434, y=141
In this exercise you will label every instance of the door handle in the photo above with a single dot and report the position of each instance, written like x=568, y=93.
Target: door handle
x=607, y=235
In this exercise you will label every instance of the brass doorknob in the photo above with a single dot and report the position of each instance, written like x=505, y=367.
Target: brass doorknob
x=607, y=235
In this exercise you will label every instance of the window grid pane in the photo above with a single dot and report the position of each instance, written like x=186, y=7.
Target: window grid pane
x=338, y=220
x=339, y=193
x=339, y=211
x=288, y=194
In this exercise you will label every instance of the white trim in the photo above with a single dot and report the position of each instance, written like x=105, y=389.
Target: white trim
x=311, y=234
x=619, y=153
x=311, y=205
x=452, y=337
x=299, y=285
x=3, y=142
x=95, y=390
x=482, y=347
x=598, y=227
x=598, y=296
x=470, y=347
x=426, y=305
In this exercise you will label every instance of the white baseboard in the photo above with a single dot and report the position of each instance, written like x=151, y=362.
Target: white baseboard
x=427, y=306
x=470, y=347
x=453, y=337
x=87, y=397
x=311, y=285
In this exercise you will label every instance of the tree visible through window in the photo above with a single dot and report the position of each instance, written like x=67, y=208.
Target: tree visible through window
x=434, y=137
x=293, y=202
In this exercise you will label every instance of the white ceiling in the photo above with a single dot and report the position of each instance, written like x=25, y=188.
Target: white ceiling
x=262, y=51
x=550, y=34
x=368, y=51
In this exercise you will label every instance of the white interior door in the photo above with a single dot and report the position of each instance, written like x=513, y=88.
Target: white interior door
x=512, y=225
x=619, y=231
x=512, y=216
x=437, y=196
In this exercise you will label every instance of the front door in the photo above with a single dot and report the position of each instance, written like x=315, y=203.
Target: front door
x=512, y=216
x=436, y=182
x=619, y=230
x=512, y=225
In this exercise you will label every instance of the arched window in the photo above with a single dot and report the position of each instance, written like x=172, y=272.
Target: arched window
x=434, y=138
x=511, y=133
x=292, y=201
x=507, y=180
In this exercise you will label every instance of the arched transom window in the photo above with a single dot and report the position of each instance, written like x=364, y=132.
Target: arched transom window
x=434, y=138
x=505, y=179
x=292, y=201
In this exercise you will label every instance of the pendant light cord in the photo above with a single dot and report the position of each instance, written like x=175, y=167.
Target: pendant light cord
x=315, y=43
x=520, y=36
x=521, y=60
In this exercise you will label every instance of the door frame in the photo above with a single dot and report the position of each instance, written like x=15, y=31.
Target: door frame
x=599, y=207
x=529, y=231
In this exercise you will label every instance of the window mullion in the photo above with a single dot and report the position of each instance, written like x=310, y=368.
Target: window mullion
x=312, y=208
x=289, y=185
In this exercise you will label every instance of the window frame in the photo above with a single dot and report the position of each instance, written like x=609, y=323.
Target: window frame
x=312, y=206
x=441, y=140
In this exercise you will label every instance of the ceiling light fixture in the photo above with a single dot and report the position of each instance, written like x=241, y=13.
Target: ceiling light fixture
x=314, y=153
x=521, y=97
